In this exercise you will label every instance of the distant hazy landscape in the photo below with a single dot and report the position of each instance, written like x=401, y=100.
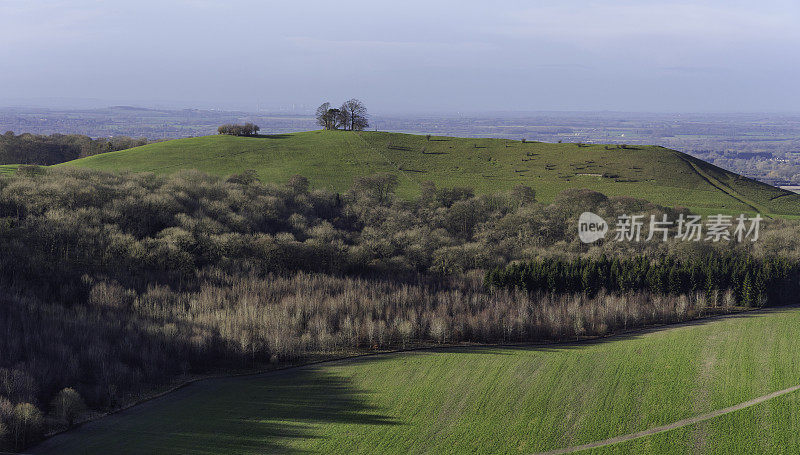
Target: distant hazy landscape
x=761, y=146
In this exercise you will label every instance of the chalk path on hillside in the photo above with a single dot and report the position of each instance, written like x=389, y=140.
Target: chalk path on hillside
x=725, y=188
x=674, y=425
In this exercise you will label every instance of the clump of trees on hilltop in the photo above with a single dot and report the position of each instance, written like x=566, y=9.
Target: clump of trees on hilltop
x=351, y=115
x=248, y=129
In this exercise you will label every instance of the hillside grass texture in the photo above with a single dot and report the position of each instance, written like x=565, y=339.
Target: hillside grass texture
x=332, y=159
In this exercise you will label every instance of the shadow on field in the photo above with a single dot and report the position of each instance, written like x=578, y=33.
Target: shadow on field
x=272, y=136
x=639, y=332
x=249, y=414
x=556, y=345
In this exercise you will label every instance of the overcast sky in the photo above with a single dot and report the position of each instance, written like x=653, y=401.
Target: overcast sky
x=405, y=56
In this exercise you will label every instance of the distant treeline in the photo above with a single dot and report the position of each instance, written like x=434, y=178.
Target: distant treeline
x=754, y=282
x=58, y=148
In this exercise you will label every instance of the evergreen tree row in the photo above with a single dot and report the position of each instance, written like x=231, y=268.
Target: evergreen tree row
x=754, y=282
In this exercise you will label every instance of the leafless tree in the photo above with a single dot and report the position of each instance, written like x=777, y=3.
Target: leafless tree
x=323, y=117
x=68, y=406
x=357, y=114
x=26, y=425
x=344, y=116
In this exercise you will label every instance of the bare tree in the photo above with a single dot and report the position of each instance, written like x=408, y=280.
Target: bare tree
x=334, y=118
x=357, y=114
x=344, y=116
x=323, y=117
x=68, y=406
x=378, y=187
x=26, y=425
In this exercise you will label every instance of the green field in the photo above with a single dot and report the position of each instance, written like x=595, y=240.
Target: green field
x=331, y=159
x=8, y=169
x=490, y=400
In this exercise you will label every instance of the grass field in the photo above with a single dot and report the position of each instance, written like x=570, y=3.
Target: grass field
x=8, y=169
x=331, y=159
x=490, y=400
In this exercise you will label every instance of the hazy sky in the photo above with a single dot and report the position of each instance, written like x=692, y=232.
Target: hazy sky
x=406, y=56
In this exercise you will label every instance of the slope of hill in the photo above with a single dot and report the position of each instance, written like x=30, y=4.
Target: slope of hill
x=333, y=158
x=491, y=400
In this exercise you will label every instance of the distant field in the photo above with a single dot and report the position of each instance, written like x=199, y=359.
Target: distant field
x=331, y=159
x=8, y=169
x=490, y=400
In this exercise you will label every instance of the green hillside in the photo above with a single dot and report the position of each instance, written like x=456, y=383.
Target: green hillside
x=332, y=158
x=491, y=400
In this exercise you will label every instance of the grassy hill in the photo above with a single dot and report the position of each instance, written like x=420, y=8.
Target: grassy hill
x=491, y=400
x=332, y=158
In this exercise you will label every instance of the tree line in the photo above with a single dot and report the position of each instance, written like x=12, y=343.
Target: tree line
x=58, y=148
x=232, y=129
x=753, y=282
x=351, y=115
